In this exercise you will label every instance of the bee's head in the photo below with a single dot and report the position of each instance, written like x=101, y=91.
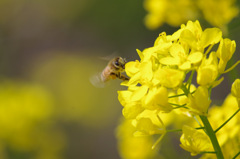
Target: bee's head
x=119, y=63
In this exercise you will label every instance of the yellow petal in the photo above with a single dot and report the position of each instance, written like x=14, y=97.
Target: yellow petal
x=139, y=93
x=195, y=57
x=194, y=141
x=210, y=36
x=148, y=100
x=206, y=75
x=161, y=99
x=146, y=71
x=235, y=90
x=132, y=68
x=124, y=97
x=195, y=28
x=140, y=54
x=185, y=66
x=199, y=102
x=226, y=49
x=134, y=79
x=188, y=37
x=131, y=110
x=169, y=78
x=146, y=126
x=176, y=49
x=169, y=61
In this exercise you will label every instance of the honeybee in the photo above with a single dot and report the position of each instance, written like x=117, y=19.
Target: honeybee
x=113, y=70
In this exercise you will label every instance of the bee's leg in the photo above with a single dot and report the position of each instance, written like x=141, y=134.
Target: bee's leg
x=114, y=75
x=119, y=75
x=123, y=77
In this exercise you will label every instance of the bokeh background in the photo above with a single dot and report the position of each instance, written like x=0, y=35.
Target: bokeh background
x=48, y=51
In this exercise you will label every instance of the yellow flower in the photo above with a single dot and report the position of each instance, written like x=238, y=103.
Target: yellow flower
x=25, y=112
x=170, y=78
x=157, y=99
x=147, y=123
x=228, y=135
x=198, y=40
x=157, y=9
x=146, y=127
x=188, y=52
x=199, y=102
x=156, y=78
x=218, y=13
x=131, y=147
x=171, y=12
x=225, y=51
x=131, y=108
x=208, y=70
x=194, y=141
x=236, y=90
x=179, y=56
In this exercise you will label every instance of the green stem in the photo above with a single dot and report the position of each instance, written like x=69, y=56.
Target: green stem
x=176, y=130
x=212, y=137
x=232, y=67
x=236, y=155
x=227, y=121
x=208, y=152
x=179, y=95
x=209, y=49
x=185, y=90
x=178, y=106
x=158, y=140
x=189, y=82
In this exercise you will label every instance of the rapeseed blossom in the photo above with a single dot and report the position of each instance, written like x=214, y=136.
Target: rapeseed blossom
x=161, y=83
x=236, y=90
x=228, y=136
x=218, y=13
x=172, y=12
x=194, y=140
x=134, y=147
x=25, y=111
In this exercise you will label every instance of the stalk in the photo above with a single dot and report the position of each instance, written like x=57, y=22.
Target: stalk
x=212, y=136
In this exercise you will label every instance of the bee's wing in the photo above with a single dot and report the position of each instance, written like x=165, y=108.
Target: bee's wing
x=109, y=57
x=96, y=80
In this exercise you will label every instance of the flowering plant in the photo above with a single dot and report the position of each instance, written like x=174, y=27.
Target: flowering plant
x=161, y=83
x=218, y=13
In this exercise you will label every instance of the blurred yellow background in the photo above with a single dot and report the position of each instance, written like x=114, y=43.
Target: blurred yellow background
x=48, y=52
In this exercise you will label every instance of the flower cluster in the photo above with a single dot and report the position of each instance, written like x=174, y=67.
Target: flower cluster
x=174, y=12
x=161, y=82
x=228, y=136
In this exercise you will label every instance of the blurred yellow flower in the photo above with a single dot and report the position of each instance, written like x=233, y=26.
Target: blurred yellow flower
x=236, y=90
x=218, y=12
x=168, y=11
x=148, y=123
x=194, y=141
x=131, y=147
x=25, y=111
x=175, y=12
x=228, y=135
